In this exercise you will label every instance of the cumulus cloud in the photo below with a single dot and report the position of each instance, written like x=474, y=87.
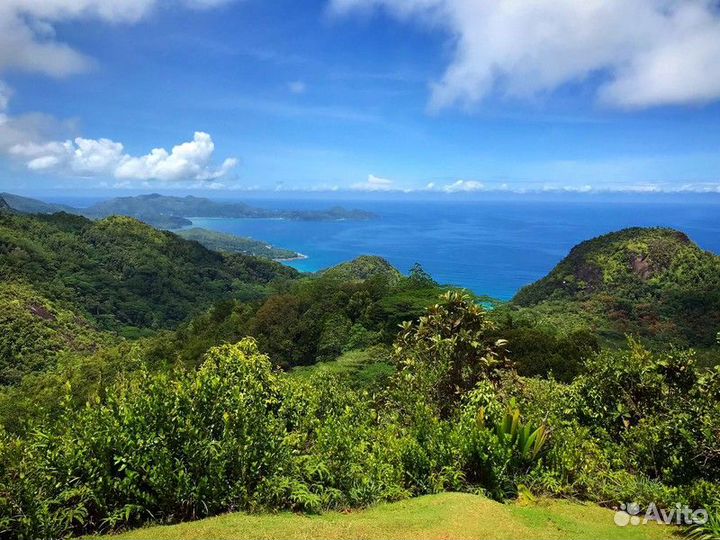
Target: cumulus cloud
x=645, y=52
x=103, y=157
x=28, y=43
x=374, y=183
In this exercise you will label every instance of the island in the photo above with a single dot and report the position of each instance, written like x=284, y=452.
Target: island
x=171, y=212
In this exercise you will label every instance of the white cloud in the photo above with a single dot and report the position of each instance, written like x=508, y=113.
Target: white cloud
x=645, y=52
x=374, y=183
x=102, y=157
x=31, y=127
x=28, y=43
x=463, y=185
x=27, y=34
x=585, y=188
x=297, y=87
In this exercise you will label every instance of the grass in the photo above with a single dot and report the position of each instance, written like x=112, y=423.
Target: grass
x=443, y=516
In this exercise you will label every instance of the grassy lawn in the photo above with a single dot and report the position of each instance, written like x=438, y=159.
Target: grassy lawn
x=443, y=516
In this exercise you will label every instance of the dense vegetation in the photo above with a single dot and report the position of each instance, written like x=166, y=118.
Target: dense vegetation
x=654, y=283
x=229, y=243
x=340, y=390
x=236, y=434
x=66, y=278
x=122, y=272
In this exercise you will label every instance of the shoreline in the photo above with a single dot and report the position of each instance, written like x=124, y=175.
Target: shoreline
x=298, y=257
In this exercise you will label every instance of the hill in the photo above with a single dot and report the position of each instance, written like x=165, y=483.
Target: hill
x=155, y=208
x=229, y=243
x=35, y=330
x=27, y=205
x=168, y=212
x=364, y=267
x=120, y=272
x=442, y=516
x=649, y=281
x=4, y=206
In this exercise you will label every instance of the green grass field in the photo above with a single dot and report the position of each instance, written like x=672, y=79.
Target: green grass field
x=443, y=516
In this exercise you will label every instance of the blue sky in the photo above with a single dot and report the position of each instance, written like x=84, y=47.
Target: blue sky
x=358, y=95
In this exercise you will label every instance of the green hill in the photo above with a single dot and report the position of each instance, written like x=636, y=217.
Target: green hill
x=364, y=267
x=120, y=272
x=649, y=281
x=34, y=331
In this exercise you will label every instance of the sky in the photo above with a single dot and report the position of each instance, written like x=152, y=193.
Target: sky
x=359, y=96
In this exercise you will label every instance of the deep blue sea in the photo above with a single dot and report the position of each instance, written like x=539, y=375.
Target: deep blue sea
x=491, y=247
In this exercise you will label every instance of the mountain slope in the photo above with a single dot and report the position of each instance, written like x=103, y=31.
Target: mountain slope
x=122, y=272
x=650, y=281
x=34, y=330
x=27, y=205
x=4, y=206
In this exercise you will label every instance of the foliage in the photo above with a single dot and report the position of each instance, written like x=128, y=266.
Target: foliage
x=120, y=272
x=365, y=267
x=709, y=530
x=233, y=434
x=660, y=408
x=35, y=331
x=543, y=349
x=447, y=352
x=650, y=282
x=369, y=369
x=307, y=320
x=101, y=433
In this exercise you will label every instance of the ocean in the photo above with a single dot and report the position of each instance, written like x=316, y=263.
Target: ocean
x=492, y=247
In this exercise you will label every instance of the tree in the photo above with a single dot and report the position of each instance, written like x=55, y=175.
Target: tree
x=419, y=277
x=446, y=352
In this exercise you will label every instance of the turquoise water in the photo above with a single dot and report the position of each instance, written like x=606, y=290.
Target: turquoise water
x=490, y=247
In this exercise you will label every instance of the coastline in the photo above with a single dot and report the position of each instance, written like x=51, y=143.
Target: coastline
x=298, y=257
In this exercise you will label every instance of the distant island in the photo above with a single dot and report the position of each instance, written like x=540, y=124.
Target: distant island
x=229, y=243
x=168, y=212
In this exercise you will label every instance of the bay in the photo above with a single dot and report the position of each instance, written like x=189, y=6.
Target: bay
x=491, y=247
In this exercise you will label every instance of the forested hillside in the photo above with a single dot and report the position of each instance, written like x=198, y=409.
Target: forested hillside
x=120, y=272
x=242, y=385
x=654, y=283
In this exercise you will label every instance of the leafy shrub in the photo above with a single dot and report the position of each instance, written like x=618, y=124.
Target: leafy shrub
x=447, y=352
